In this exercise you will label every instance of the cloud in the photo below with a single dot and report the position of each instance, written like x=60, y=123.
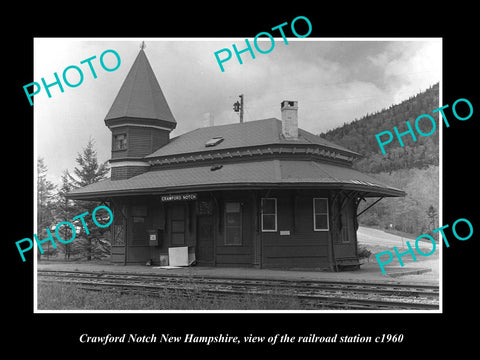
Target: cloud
x=333, y=81
x=410, y=67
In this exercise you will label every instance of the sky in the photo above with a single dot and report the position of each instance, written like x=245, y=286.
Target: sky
x=335, y=81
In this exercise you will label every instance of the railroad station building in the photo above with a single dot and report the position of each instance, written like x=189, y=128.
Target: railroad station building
x=261, y=193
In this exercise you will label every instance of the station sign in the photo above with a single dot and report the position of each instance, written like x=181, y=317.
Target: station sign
x=179, y=197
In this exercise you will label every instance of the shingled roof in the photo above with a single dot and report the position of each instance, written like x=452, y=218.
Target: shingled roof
x=238, y=135
x=140, y=95
x=242, y=175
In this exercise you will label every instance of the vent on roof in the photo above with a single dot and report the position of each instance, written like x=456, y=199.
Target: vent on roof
x=214, y=141
x=216, y=167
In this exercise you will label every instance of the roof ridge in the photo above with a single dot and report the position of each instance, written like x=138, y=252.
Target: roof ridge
x=235, y=124
x=263, y=132
x=149, y=79
x=127, y=106
x=324, y=171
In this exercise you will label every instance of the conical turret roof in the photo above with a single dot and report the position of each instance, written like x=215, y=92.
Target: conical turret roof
x=141, y=96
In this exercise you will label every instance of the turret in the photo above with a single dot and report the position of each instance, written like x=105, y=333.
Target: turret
x=140, y=120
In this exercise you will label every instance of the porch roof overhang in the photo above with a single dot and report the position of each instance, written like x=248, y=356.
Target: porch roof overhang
x=273, y=173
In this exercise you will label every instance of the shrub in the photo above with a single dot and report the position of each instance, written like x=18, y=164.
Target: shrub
x=363, y=252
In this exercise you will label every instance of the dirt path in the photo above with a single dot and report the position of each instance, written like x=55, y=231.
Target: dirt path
x=377, y=241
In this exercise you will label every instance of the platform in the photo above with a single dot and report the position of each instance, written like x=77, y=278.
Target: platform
x=369, y=272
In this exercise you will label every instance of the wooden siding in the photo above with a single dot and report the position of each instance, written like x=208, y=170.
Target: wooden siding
x=125, y=172
x=295, y=251
x=159, y=138
x=299, y=246
x=141, y=141
x=117, y=255
x=302, y=247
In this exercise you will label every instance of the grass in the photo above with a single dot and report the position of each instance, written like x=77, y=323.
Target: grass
x=56, y=296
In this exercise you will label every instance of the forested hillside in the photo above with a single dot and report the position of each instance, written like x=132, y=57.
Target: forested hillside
x=412, y=168
x=359, y=136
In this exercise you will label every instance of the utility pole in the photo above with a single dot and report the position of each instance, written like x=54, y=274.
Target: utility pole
x=241, y=108
x=238, y=107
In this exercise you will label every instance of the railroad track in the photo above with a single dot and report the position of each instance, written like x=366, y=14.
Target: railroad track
x=311, y=294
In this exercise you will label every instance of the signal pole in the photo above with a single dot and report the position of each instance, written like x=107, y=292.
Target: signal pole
x=238, y=107
x=241, y=108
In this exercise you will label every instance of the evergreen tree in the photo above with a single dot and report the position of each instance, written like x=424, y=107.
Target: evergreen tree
x=95, y=244
x=44, y=207
x=359, y=136
x=417, y=212
x=65, y=210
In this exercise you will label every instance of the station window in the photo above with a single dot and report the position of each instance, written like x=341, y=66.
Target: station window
x=269, y=214
x=120, y=142
x=320, y=214
x=233, y=223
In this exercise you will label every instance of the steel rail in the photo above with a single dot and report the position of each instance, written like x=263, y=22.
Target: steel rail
x=314, y=301
x=410, y=289
x=306, y=293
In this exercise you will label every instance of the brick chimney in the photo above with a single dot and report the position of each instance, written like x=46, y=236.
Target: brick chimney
x=289, y=119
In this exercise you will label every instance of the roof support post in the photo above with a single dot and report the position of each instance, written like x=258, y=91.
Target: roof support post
x=348, y=196
x=217, y=224
x=125, y=221
x=368, y=207
x=333, y=196
x=257, y=235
